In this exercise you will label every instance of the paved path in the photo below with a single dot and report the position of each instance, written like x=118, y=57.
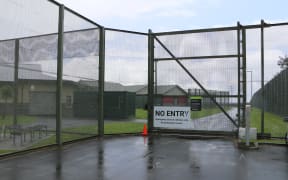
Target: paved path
x=216, y=122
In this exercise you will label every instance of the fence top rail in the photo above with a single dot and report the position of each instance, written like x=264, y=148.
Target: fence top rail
x=126, y=31
x=266, y=25
x=196, y=31
x=199, y=57
x=231, y=28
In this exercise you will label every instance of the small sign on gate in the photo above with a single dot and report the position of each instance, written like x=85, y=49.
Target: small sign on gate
x=196, y=103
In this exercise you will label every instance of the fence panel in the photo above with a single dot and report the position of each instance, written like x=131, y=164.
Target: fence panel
x=211, y=57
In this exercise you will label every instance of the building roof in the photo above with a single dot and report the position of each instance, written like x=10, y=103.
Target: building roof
x=108, y=86
x=170, y=90
x=34, y=72
x=135, y=88
x=161, y=90
x=25, y=72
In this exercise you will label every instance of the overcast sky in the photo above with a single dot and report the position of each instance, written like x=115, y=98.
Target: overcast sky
x=163, y=15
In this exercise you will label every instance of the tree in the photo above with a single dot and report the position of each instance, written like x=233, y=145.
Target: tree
x=283, y=62
x=6, y=93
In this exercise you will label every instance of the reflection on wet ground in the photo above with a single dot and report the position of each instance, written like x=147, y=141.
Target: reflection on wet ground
x=145, y=158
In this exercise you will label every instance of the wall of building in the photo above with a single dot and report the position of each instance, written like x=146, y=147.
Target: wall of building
x=26, y=89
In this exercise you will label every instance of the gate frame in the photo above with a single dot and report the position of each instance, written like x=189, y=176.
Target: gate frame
x=152, y=72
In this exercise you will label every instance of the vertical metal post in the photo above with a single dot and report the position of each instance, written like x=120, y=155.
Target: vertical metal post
x=239, y=71
x=247, y=130
x=251, y=84
x=244, y=80
x=101, y=82
x=150, y=80
x=262, y=77
x=16, y=69
x=251, y=90
x=155, y=74
x=59, y=75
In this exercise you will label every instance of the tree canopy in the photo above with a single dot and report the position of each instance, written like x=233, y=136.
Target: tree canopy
x=6, y=92
x=283, y=62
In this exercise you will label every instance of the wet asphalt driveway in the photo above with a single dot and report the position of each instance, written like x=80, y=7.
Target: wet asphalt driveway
x=139, y=158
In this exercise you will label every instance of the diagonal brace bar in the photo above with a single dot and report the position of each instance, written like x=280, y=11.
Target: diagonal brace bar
x=197, y=82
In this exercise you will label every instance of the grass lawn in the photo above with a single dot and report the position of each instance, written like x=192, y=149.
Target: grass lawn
x=271, y=141
x=109, y=128
x=141, y=114
x=6, y=151
x=122, y=127
x=52, y=139
x=273, y=124
x=115, y=127
x=8, y=120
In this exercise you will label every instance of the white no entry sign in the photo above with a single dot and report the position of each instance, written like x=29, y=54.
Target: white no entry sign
x=174, y=117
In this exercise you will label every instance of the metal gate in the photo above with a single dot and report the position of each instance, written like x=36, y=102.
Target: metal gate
x=207, y=67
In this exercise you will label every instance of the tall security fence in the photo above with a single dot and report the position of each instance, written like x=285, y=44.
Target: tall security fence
x=267, y=78
x=275, y=99
x=64, y=77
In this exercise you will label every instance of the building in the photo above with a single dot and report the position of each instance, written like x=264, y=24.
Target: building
x=166, y=95
x=37, y=95
x=36, y=91
x=118, y=103
x=222, y=97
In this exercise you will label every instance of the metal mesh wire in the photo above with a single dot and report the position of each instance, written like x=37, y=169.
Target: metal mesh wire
x=25, y=18
x=6, y=75
x=126, y=58
x=198, y=44
x=37, y=79
x=20, y=101
x=276, y=45
x=42, y=48
x=35, y=86
x=77, y=44
x=211, y=73
x=73, y=22
x=274, y=102
x=218, y=76
x=79, y=98
x=221, y=82
x=7, y=52
x=35, y=24
x=80, y=81
x=126, y=69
